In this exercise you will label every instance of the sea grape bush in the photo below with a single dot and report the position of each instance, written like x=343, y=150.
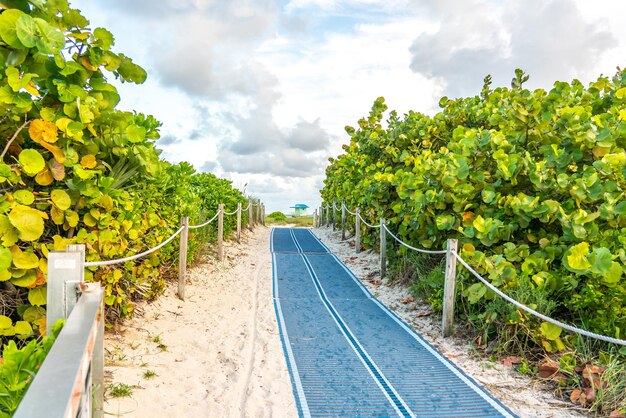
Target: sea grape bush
x=531, y=182
x=74, y=169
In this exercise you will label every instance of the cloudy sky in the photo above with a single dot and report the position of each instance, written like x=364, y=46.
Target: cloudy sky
x=259, y=91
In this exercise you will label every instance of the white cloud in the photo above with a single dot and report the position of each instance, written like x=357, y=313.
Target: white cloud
x=551, y=40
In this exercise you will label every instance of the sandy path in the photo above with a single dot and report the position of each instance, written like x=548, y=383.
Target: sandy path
x=218, y=354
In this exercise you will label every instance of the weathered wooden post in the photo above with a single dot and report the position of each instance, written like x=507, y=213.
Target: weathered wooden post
x=239, y=223
x=447, y=326
x=383, y=249
x=333, y=217
x=357, y=231
x=343, y=222
x=182, y=258
x=250, y=219
x=315, y=218
x=263, y=214
x=220, y=232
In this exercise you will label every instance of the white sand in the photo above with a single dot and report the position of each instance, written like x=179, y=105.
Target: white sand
x=524, y=396
x=217, y=354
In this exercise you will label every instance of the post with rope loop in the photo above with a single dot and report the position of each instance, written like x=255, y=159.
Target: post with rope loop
x=220, y=232
x=328, y=218
x=447, y=326
x=383, y=248
x=333, y=217
x=320, y=220
x=315, y=218
x=343, y=222
x=239, y=223
x=250, y=219
x=263, y=214
x=182, y=257
x=357, y=231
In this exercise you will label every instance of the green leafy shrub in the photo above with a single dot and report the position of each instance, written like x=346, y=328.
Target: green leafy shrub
x=277, y=216
x=531, y=183
x=74, y=169
x=19, y=366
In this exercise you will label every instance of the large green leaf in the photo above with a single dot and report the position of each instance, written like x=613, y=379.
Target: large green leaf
x=550, y=331
x=5, y=258
x=38, y=296
x=28, y=222
x=26, y=31
x=24, y=259
x=575, y=259
x=8, y=25
x=50, y=39
x=32, y=162
x=61, y=199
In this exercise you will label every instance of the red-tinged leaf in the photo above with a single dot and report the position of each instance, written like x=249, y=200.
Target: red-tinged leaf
x=423, y=313
x=511, y=360
x=617, y=414
x=575, y=396
x=548, y=368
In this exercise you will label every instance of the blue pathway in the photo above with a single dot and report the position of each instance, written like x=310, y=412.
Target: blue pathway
x=348, y=355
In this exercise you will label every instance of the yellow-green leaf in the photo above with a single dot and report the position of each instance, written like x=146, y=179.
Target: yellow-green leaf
x=31, y=161
x=5, y=322
x=25, y=197
x=28, y=222
x=38, y=296
x=550, y=331
x=24, y=259
x=5, y=258
x=23, y=328
x=27, y=280
x=61, y=199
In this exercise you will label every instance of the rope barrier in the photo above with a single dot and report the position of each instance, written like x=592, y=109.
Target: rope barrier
x=411, y=247
x=247, y=207
x=206, y=223
x=365, y=222
x=535, y=313
x=231, y=213
x=348, y=210
x=133, y=257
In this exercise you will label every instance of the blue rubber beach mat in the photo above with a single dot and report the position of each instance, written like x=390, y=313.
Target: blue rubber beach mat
x=348, y=355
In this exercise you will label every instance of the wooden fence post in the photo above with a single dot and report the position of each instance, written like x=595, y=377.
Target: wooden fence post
x=357, y=231
x=182, y=258
x=383, y=249
x=315, y=218
x=333, y=217
x=447, y=326
x=220, y=233
x=343, y=222
x=263, y=214
x=250, y=219
x=239, y=223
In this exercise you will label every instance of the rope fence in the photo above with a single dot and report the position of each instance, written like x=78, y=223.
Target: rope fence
x=452, y=257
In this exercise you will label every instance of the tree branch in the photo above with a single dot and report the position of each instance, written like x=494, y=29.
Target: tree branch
x=6, y=148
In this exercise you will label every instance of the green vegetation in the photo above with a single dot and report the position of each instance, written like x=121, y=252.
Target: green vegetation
x=279, y=218
x=74, y=169
x=18, y=367
x=531, y=183
x=120, y=390
x=276, y=216
x=149, y=374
